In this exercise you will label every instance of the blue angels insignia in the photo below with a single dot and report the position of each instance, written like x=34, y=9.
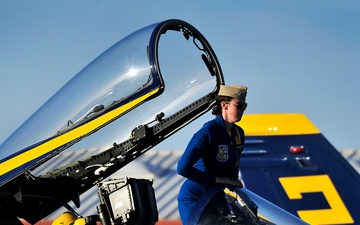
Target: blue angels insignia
x=223, y=153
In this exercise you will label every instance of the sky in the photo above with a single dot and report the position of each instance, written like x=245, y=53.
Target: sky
x=294, y=56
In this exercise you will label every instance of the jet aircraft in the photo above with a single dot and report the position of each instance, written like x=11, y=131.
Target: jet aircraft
x=138, y=93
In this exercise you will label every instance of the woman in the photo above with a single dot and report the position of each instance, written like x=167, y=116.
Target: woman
x=213, y=153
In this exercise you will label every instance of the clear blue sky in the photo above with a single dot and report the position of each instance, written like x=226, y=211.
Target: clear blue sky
x=295, y=56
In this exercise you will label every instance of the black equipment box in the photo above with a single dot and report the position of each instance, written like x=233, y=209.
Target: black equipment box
x=128, y=201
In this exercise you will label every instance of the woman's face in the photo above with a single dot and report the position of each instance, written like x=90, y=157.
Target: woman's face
x=233, y=110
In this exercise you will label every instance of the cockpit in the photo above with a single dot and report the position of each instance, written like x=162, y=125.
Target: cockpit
x=223, y=205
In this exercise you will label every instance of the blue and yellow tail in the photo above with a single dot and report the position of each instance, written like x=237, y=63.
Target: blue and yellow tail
x=289, y=162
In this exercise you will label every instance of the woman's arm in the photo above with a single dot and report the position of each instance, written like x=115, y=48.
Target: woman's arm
x=193, y=153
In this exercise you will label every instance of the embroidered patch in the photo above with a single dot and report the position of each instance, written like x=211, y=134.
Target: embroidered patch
x=223, y=153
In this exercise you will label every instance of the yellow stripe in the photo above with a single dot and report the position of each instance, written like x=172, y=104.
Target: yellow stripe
x=277, y=124
x=264, y=218
x=238, y=137
x=231, y=193
x=67, y=137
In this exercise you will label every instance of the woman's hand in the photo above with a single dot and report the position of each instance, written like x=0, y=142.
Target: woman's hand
x=225, y=180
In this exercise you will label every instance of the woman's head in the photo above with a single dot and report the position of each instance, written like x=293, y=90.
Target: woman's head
x=231, y=102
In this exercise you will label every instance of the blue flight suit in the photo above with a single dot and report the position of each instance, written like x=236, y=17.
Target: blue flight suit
x=212, y=152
